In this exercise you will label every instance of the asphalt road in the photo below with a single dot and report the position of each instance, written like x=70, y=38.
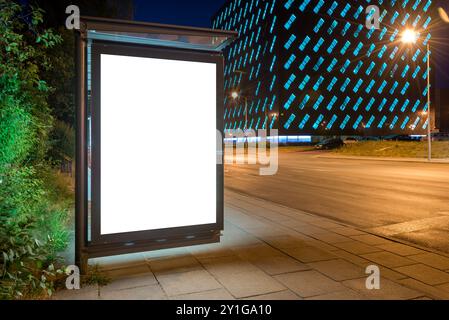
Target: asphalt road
x=403, y=200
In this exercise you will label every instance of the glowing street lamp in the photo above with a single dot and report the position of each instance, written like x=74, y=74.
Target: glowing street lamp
x=410, y=36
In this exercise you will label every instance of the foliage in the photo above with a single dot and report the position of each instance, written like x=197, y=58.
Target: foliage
x=95, y=276
x=32, y=223
x=61, y=78
x=26, y=269
x=62, y=142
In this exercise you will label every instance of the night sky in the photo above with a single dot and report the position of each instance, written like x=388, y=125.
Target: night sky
x=197, y=13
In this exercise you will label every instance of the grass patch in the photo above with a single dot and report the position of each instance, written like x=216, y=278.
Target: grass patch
x=296, y=148
x=395, y=149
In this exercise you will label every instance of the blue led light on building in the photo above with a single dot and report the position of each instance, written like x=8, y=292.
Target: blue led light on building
x=304, y=102
x=358, y=103
x=332, y=8
x=318, y=45
x=304, y=63
x=318, y=64
x=318, y=102
x=312, y=61
x=318, y=25
x=304, y=43
x=331, y=104
x=318, y=121
x=304, y=82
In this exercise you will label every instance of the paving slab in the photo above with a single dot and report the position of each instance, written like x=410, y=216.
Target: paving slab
x=270, y=260
x=347, y=231
x=357, y=247
x=321, y=245
x=121, y=261
x=347, y=294
x=325, y=224
x=389, y=290
x=307, y=254
x=241, y=278
x=173, y=264
x=292, y=223
x=141, y=293
x=309, y=283
x=142, y=269
x=217, y=294
x=339, y=269
x=400, y=249
x=388, y=259
x=85, y=293
x=286, y=241
x=433, y=260
x=331, y=237
x=238, y=239
x=425, y=274
x=309, y=230
x=390, y=274
x=207, y=251
x=281, y=295
x=165, y=253
x=371, y=239
x=129, y=282
x=175, y=284
x=432, y=291
x=352, y=258
x=269, y=232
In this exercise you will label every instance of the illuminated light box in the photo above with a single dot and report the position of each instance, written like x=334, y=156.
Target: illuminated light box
x=150, y=172
x=152, y=176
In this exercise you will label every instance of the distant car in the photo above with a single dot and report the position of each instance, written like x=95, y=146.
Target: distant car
x=439, y=136
x=408, y=138
x=329, y=144
x=351, y=140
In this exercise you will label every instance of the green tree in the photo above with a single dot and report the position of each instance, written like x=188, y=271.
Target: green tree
x=27, y=251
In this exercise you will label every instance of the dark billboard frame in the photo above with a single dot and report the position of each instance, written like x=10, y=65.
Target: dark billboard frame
x=99, y=48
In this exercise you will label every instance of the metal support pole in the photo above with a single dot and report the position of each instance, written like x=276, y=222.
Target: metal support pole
x=81, y=156
x=246, y=113
x=429, y=129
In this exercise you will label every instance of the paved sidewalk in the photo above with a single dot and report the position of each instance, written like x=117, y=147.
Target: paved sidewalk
x=273, y=252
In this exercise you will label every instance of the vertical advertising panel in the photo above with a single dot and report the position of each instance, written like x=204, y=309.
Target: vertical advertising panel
x=152, y=177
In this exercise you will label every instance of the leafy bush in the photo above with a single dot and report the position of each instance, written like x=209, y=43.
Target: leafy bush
x=62, y=143
x=33, y=219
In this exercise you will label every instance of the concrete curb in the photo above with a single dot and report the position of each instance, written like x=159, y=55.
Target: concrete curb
x=434, y=161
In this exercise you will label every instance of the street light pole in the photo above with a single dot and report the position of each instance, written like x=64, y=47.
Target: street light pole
x=246, y=113
x=410, y=37
x=429, y=129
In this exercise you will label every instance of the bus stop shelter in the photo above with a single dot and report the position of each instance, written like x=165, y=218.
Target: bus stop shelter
x=149, y=106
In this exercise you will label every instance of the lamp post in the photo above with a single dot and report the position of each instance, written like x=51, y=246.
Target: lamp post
x=410, y=37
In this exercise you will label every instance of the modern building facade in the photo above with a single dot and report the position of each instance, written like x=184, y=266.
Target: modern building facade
x=313, y=67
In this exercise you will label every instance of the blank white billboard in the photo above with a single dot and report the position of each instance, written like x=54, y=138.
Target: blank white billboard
x=158, y=143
